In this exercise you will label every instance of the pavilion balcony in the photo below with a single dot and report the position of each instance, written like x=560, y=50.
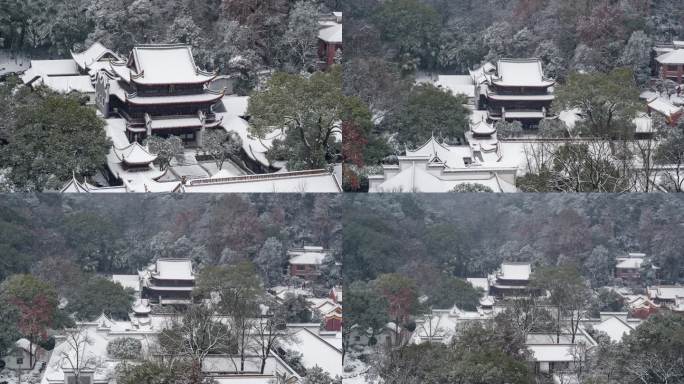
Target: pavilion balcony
x=498, y=114
x=547, y=96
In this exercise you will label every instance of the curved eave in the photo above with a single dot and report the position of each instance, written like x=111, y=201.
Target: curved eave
x=204, y=80
x=138, y=164
x=212, y=100
x=544, y=84
x=495, y=96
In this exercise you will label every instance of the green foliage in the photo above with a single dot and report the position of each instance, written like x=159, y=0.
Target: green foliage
x=125, y=348
x=9, y=318
x=301, y=36
x=297, y=309
x=412, y=27
x=606, y=301
x=14, y=243
x=221, y=146
x=26, y=288
x=152, y=372
x=52, y=138
x=446, y=291
x=655, y=350
x=238, y=287
x=307, y=111
x=609, y=102
x=480, y=355
x=471, y=188
x=316, y=375
x=364, y=308
x=400, y=293
x=506, y=129
x=439, y=234
x=99, y=295
x=430, y=111
x=93, y=237
x=671, y=152
x=166, y=149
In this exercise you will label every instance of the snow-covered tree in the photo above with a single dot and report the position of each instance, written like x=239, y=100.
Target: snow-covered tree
x=301, y=37
x=637, y=55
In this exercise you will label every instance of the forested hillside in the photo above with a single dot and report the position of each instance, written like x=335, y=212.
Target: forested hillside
x=604, y=45
x=225, y=34
x=458, y=34
x=120, y=234
x=471, y=236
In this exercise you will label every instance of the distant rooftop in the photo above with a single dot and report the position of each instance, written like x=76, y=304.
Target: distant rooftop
x=515, y=271
x=308, y=255
x=675, y=56
x=165, y=64
x=174, y=269
x=521, y=72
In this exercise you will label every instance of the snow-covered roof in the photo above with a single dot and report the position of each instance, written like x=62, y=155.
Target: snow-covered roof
x=417, y=179
x=521, y=73
x=457, y=84
x=666, y=292
x=316, y=351
x=631, y=262
x=515, y=271
x=173, y=269
x=128, y=281
x=25, y=344
x=67, y=84
x=307, y=256
x=75, y=186
x=479, y=282
x=675, y=57
x=142, y=306
x=134, y=154
x=545, y=349
x=337, y=293
x=44, y=68
x=614, y=327
x=314, y=181
x=166, y=64
x=482, y=128
x=94, y=53
x=481, y=74
x=664, y=106
x=94, y=354
x=643, y=123
x=552, y=353
x=331, y=34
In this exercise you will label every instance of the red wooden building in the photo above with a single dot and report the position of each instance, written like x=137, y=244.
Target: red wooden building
x=305, y=262
x=159, y=91
x=330, y=38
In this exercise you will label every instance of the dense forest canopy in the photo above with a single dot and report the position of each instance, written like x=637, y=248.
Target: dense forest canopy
x=458, y=34
x=121, y=234
x=391, y=45
x=471, y=236
x=225, y=34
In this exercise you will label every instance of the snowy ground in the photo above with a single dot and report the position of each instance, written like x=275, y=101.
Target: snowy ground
x=355, y=371
x=27, y=377
x=9, y=64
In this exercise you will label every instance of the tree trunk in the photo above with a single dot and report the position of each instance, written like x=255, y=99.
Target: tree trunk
x=558, y=330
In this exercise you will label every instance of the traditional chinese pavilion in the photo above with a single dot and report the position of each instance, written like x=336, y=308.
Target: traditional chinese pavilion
x=159, y=90
x=516, y=90
x=330, y=38
x=168, y=281
x=670, y=62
